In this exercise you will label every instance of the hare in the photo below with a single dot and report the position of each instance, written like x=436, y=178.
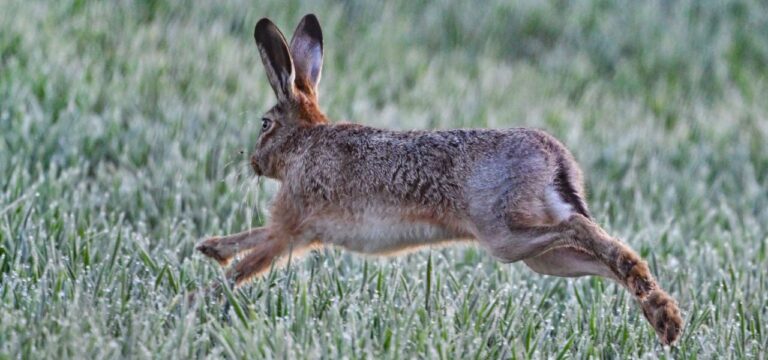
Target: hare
x=516, y=192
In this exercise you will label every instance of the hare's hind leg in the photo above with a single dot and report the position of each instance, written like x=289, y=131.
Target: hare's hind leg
x=224, y=248
x=588, y=249
x=659, y=308
x=569, y=262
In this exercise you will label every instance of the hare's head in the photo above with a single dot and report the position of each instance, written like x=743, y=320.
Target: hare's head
x=293, y=72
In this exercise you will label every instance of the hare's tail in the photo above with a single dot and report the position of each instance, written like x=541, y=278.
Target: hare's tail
x=568, y=185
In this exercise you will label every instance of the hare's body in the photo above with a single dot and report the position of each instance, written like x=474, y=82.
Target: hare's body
x=517, y=192
x=378, y=191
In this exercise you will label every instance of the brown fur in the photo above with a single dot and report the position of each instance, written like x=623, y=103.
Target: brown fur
x=307, y=107
x=517, y=192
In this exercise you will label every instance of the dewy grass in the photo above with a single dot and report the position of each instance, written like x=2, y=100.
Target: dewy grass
x=118, y=121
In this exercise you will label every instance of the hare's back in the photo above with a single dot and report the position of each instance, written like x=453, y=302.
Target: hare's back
x=365, y=165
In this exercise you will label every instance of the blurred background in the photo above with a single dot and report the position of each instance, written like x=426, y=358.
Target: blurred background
x=122, y=125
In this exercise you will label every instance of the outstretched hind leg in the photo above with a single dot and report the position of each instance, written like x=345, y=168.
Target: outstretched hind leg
x=658, y=307
x=578, y=237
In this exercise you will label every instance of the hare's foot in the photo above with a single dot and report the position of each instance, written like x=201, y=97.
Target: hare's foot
x=212, y=248
x=224, y=248
x=664, y=315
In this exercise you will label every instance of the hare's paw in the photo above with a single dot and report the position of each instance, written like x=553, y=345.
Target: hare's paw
x=210, y=248
x=664, y=315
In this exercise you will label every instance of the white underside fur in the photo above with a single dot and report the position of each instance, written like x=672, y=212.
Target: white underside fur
x=380, y=232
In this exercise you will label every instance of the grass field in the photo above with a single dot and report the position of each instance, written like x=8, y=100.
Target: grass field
x=122, y=125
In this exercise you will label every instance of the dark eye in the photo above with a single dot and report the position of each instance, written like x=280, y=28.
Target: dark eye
x=266, y=124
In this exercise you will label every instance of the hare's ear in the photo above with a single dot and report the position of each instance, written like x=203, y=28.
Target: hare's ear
x=307, y=52
x=276, y=58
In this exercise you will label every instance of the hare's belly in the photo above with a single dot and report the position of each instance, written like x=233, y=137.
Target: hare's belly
x=377, y=234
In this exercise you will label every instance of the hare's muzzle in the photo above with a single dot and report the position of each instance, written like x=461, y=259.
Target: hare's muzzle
x=255, y=166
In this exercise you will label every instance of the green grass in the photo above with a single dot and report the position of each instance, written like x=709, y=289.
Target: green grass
x=121, y=126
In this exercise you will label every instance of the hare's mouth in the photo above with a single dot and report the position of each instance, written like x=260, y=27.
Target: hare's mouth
x=255, y=166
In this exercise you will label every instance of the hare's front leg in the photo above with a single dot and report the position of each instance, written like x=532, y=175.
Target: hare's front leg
x=258, y=260
x=264, y=246
x=224, y=248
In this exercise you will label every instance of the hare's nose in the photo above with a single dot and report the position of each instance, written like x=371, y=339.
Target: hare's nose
x=255, y=166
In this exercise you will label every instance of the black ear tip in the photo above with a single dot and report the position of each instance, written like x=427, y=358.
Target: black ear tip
x=312, y=26
x=311, y=17
x=262, y=26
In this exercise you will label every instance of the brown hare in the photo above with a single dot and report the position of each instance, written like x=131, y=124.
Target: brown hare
x=516, y=192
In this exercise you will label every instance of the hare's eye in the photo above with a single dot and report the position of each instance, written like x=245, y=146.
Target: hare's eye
x=265, y=124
